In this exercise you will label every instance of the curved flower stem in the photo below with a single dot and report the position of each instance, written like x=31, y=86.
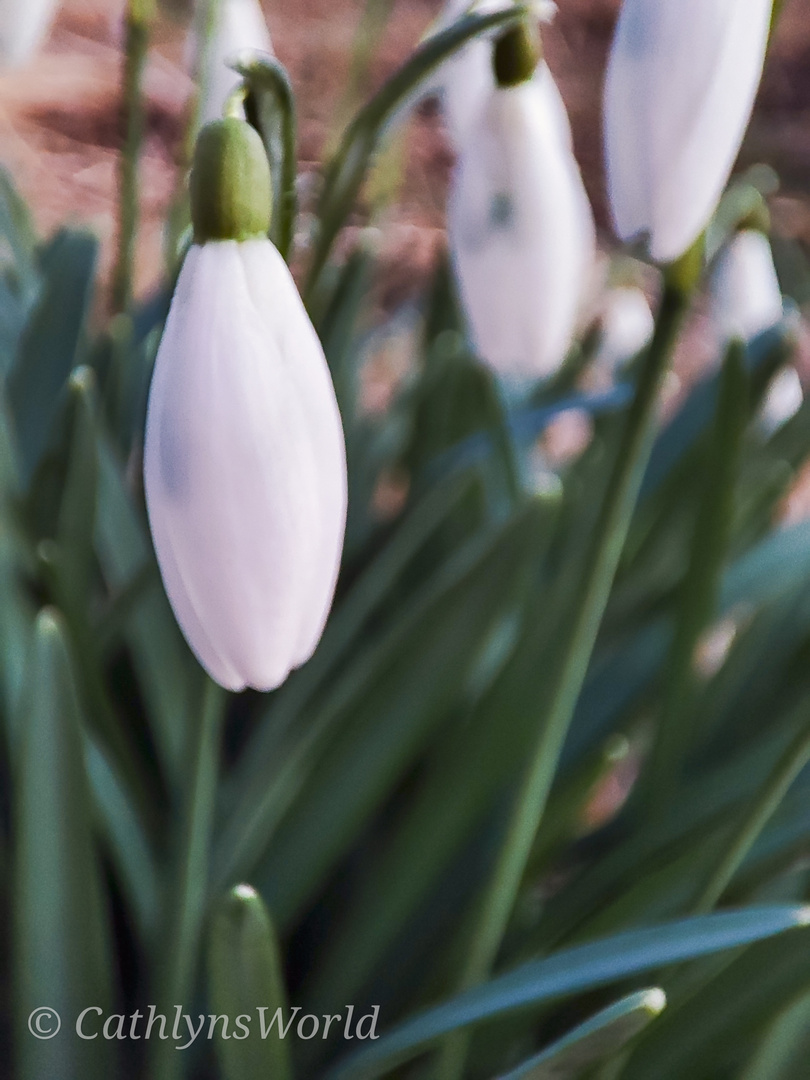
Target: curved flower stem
x=767, y=802
x=138, y=23
x=189, y=894
x=569, y=667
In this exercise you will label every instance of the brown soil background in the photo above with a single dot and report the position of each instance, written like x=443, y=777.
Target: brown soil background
x=60, y=119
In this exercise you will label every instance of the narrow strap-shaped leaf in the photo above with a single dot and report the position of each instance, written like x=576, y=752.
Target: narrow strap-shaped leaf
x=604, y=1034
x=51, y=343
x=244, y=974
x=125, y=841
x=698, y=594
x=77, y=512
x=571, y=971
x=61, y=932
x=185, y=913
x=16, y=610
x=165, y=669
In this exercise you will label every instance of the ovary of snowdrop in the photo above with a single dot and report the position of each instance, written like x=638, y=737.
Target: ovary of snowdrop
x=244, y=461
x=626, y=327
x=467, y=79
x=520, y=229
x=24, y=25
x=681, y=83
x=239, y=26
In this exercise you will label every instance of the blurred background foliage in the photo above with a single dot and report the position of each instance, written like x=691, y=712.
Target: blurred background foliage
x=365, y=800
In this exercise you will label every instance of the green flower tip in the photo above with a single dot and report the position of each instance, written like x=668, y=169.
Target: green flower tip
x=230, y=187
x=758, y=217
x=516, y=54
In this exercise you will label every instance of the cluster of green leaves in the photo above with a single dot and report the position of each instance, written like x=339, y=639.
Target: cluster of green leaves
x=365, y=801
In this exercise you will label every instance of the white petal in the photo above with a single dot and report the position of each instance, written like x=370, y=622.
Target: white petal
x=627, y=327
x=681, y=83
x=521, y=232
x=24, y=25
x=783, y=400
x=275, y=295
x=232, y=471
x=240, y=27
x=745, y=297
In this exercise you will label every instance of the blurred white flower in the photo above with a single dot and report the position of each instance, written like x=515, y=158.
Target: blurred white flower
x=627, y=326
x=239, y=26
x=745, y=300
x=244, y=461
x=681, y=83
x=521, y=230
x=744, y=294
x=24, y=25
x=783, y=399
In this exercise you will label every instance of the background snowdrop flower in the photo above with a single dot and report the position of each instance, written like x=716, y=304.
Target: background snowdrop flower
x=681, y=83
x=24, y=25
x=244, y=461
x=239, y=26
x=744, y=294
x=520, y=226
x=626, y=326
x=783, y=399
x=467, y=80
x=745, y=300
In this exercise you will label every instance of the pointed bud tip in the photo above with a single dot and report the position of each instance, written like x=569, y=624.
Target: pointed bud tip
x=516, y=54
x=654, y=1001
x=244, y=892
x=49, y=623
x=82, y=381
x=230, y=186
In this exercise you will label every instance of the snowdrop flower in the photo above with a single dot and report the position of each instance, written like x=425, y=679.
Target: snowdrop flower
x=745, y=297
x=467, y=80
x=745, y=300
x=24, y=25
x=520, y=226
x=627, y=326
x=244, y=461
x=681, y=83
x=239, y=26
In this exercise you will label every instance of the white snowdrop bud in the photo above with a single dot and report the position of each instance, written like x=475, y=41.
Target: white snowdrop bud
x=520, y=227
x=744, y=294
x=239, y=26
x=627, y=326
x=681, y=83
x=244, y=461
x=24, y=25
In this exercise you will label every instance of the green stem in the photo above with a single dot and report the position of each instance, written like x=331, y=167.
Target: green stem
x=794, y=759
x=189, y=896
x=570, y=666
x=138, y=23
